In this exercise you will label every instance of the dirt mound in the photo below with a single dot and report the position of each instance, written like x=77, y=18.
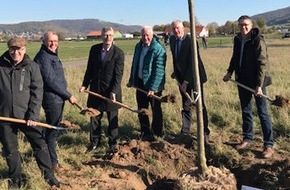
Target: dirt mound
x=69, y=125
x=147, y=165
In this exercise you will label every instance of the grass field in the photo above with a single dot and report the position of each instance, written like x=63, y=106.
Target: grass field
x=221, y=100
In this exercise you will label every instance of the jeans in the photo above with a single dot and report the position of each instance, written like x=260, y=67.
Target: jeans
x=34, y=135
x=247, y=116
x=113, y=128
x=187, y=114
x=53, y=114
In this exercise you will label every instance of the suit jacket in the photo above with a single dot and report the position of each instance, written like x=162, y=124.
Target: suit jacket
x=183, y=68
x=104, y=76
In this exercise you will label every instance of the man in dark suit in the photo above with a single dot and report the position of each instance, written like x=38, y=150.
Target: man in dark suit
x=180, y=45
x=104, y=75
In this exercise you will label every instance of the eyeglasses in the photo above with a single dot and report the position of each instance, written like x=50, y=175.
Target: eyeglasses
x=244, y=24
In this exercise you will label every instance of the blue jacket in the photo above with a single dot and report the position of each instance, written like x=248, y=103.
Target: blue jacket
x=55, y=85
x=153, y=66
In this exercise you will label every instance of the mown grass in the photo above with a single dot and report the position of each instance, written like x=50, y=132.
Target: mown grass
x=75, y=50
x=221, y=100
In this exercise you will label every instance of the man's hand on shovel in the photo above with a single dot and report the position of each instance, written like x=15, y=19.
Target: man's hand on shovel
x=168, y=98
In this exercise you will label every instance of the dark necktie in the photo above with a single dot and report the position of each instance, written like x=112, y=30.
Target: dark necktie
x=177, y=48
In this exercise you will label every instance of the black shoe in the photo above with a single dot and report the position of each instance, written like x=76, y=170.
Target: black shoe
x=147, y=137
x=54, y=182
x=113, y=149
x=14, y=183
x=111, y=152
x=92, y=147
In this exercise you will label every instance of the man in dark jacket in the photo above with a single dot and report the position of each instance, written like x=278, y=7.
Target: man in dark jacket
x=104, y=75
x=55, y=91
x=251, y=66
x=180, y=45
x=20, y=97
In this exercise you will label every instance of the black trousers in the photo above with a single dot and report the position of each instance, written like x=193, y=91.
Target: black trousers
x=34, y=135
x=113, y=128
x=53, y=115
x=143, y=101
x=187, y=114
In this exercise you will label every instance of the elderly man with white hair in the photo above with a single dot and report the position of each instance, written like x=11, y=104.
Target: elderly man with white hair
x=148, y=74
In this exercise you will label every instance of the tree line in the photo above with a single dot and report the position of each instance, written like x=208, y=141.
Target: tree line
x=229, y=28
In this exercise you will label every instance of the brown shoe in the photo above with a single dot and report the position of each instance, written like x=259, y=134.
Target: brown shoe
x=243, y=145
x=268, y=152
x=59, y=168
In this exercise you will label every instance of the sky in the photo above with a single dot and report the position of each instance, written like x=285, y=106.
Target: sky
x=134, y=12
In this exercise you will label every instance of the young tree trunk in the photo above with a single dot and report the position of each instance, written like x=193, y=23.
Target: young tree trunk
x=202, y=167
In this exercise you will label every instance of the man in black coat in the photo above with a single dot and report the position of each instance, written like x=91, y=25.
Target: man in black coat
x=180, y=45
x=104, y=75
x=251, y=66
x=21, y=89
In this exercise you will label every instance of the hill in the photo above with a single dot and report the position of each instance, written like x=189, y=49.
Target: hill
x=276, y=17
x=66, y=27
x=82, y=26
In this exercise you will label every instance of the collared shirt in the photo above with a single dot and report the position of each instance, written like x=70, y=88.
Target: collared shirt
x=104, y=52
x=144, y=51
x=177, y=46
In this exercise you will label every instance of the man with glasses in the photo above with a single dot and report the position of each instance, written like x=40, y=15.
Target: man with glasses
x=251, y=66
x=104, y=75
x=55, y=91
x=21, y=90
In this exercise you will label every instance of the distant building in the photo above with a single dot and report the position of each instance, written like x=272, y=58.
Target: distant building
x=136, y=34
x=117, y=34
x=94, y=35
x=126, y=35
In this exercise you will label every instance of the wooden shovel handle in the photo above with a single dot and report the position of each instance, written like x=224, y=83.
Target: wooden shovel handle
x=145, y=92
x=78, y=105
x=22, y=121
x=109, y=100
x=250, y=89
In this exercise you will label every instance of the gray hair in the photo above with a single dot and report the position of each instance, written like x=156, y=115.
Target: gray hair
x=149, y=28
x=45, y=35
x=106, y=29
x=178, y=22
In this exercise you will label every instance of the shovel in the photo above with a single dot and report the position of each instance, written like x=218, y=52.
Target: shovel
x=87, y=111
x=142, y=111
x=22, y=121
x=191, y=102
x=279, y=101
x=168, y=98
